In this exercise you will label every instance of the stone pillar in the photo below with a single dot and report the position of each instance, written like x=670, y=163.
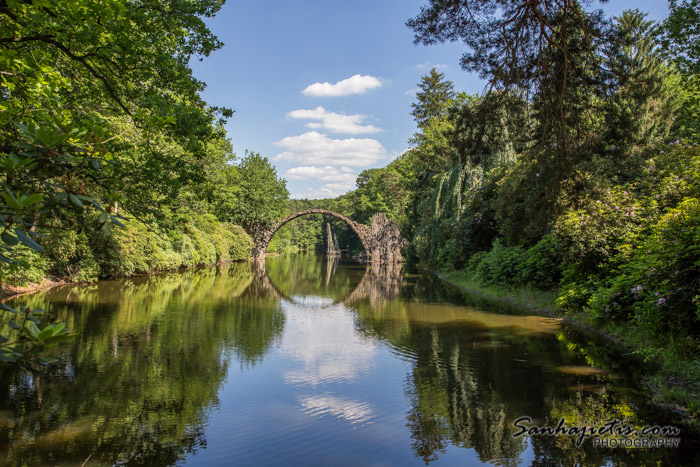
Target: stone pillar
x=387, y=241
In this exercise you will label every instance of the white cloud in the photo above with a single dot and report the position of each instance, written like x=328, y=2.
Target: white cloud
x=340, y=187
x=324, y=174
x=313, y=148
x=411, y=91
x=357, y=84
x=428, y=65
x=333, y=122
x=329, y=190
x=319, y=193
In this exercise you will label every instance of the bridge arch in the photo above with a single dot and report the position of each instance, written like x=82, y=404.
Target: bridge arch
x=263, y=239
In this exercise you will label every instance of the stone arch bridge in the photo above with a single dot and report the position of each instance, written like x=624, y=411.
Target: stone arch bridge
x=381, y=240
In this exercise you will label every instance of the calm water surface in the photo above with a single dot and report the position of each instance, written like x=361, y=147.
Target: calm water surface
x=309, y=361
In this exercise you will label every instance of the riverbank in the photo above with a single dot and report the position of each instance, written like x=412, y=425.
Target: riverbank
x=672, y=377
x=8, y=291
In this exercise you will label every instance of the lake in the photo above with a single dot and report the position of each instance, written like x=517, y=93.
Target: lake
x=308, y=360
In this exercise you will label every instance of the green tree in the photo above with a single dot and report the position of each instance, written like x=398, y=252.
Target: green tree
x=540, y=48
x=680, y=39
x=263, y=196
x=639, y=113
x=98, y=105
x=434, y=98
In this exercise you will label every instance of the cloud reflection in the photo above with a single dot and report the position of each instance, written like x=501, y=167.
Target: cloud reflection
x=347, y=409
x=326, y=345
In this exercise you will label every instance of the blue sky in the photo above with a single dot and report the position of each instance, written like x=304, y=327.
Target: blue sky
x=323, y=88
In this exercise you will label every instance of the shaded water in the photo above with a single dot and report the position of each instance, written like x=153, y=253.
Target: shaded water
x=308, y=361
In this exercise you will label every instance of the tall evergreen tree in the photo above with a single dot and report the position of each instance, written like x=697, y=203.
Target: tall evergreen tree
x=434, y=98
x=680, y=40
x=639, y=112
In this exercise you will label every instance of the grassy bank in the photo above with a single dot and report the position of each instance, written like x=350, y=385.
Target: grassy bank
x=667, y=369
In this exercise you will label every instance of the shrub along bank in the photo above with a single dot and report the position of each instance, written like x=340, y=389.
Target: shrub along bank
x=135, y=248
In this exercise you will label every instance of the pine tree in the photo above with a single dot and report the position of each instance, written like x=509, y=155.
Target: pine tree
x=434, y=98
x=639, y=113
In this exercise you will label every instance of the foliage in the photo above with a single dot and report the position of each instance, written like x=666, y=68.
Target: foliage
x=680, y=34
x=657, y=286
x=263, y=197
x=32, y=267
x=137, y=249
x=100, y=112
x=561, y=173
x=640, y=110
x=535, y=267
x=434, y=98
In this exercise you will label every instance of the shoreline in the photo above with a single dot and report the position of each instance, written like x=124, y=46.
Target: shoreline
x=546, y=311
x=8, y=292
x=660, y=381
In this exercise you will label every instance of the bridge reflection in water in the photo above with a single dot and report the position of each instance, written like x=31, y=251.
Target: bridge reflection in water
x=379, y=283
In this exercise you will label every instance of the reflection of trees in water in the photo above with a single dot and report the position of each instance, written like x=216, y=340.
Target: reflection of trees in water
x=474, y=373
x=307, y=275
x=136, y=384
x=450, y=404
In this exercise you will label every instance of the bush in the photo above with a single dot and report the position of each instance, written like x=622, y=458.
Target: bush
x=590, y=236
x=31, y=267
x=541, y=265
x=205, y=252
x=183, y=246
x=658, y=286
x=241, y=243
x=501, y=266
x=70, y=256
x=135, y=248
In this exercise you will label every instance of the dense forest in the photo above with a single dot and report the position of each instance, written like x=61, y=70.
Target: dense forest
x=576, y=171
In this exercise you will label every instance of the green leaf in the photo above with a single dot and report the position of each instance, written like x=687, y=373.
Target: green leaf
x=13, y=325
x=32, y=329
x=116, y=221
x=8, y=238
x=75, y=201
x=10, y=199
x=45, y=333
x=63, y=337
x=7, y=308
x=33, y=199
x=33, y=318
x=27, y=240
x=7, y=357
x=95, y=164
